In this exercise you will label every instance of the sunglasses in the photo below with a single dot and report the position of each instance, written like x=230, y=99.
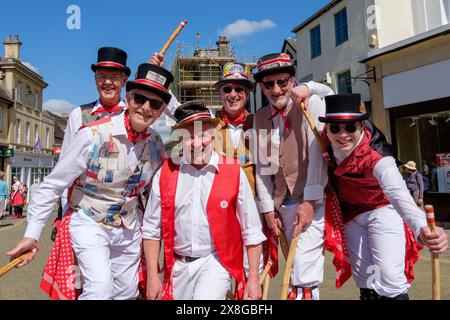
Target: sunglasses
x=336, y=128
x=281, y=83
x=141, y=100
x=229, y=89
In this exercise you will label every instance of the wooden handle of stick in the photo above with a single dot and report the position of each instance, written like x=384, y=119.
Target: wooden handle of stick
x=436, y=272
x=313, y=126
x=172, y=37
x=14, y=263
x=288, y=268
x=283, y=242
x=266, y=284
x=265, y=272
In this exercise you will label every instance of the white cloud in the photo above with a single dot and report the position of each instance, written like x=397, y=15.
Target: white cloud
x=59, y=106
x=244, y=27
x=163, y=126
x=29, y=65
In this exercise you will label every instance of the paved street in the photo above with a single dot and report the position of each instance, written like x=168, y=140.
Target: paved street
x=24, y=283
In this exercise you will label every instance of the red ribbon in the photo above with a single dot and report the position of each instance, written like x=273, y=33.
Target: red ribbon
x=133, y=136
x=234, y=121
x=282, y=111
x=110, y=110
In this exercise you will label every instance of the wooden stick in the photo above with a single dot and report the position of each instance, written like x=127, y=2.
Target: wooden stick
x=172, y=37
x=265, y=272
x=313, y=126
x=266, y=284
x=436, y=273
x=288, y=268
x=283, y=243
x=12, y=264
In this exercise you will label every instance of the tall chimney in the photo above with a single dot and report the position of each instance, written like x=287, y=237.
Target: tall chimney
x=222, y=43
x=12, y=47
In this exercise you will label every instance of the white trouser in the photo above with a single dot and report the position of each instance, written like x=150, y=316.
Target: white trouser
x=307, y=270
x=201, y=279
x=376, y=244
x=108, y=258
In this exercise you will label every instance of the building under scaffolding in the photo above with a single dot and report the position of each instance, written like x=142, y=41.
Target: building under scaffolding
x=196, y=70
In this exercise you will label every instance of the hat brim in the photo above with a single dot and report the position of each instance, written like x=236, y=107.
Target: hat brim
x=127, y=70
x=360, y=118
x=247, y=83
x=410, y=168
x=285, y=69
x=214, y=121
x=166, y=96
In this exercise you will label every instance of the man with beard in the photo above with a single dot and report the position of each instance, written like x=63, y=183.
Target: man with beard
x=290, y=171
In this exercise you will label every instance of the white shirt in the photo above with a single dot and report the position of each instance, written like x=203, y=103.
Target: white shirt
x=394, y=188
x=70, y=167
x=317, y=177
x=192, y=232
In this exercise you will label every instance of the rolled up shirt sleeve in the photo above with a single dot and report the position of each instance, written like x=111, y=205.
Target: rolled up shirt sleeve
x=151, y=228
x=319, y=89
x=67, y=170
x=394, y=187
x=247, y=214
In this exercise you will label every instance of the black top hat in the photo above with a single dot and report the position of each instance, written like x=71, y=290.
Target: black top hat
x=192, y=111
x=112, y=58
x=273, y=63
x=152, y=78
x=341, y=108
x=234, y=73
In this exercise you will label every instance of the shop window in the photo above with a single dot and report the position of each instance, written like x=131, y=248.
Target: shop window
x=424, y=140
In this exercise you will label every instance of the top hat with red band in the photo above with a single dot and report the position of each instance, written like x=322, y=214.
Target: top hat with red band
x=273, y=63
x=234, y=73
x=342, y=108
x=111, y=58
x=152, y=78
x=192, y=111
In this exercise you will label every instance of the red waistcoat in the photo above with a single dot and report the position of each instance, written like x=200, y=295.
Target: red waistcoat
x=221, y=211
x=357, y=188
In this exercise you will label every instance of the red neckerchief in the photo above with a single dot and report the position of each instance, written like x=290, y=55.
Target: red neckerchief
x=108, y=109
x=133, y=136
x=276, y=111
x=225, y=116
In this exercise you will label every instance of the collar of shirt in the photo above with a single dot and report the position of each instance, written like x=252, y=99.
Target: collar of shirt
x=213, y=162
x=118, y=128
x=98, y=104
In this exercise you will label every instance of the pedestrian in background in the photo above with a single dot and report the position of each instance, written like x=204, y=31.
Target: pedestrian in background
x=4, y=196
x=415, y=184
x=17, y=201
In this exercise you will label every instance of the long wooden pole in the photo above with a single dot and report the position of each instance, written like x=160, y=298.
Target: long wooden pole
x=288, y=268
x=14, y=263
x=436, y=272
x=172, y=37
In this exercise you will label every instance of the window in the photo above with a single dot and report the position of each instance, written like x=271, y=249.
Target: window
x=18, y=128
x=316, y=49
x=307, y=78
x=344, y=82
x=28, y=133
x=47, y=138
x=340, y=26
x=36, y=132
x=36, y=100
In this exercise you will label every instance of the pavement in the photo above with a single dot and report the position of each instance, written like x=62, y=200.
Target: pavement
x=23, y=284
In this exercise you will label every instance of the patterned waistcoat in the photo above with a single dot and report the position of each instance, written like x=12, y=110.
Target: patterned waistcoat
x=109, y=190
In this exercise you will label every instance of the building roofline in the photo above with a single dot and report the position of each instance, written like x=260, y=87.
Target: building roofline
x=409, y=42
x=319, y=13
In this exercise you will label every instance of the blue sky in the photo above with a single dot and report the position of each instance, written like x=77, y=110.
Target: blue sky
x=63, y=57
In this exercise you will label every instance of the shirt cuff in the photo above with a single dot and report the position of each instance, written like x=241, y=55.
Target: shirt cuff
x=313, y=192
x=416, y=230
x=34, y=230
x=253, y=236
x=266, y=205
x=151, y=234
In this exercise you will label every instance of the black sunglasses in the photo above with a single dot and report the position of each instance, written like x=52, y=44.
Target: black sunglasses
x=141, y=99
x=281, y=83
x=336, y=128
x=229, y=89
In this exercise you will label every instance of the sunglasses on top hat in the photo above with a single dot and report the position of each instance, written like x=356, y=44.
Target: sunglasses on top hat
x=229, y=89
x=141, y=99
x=281, y=83
x=336, y=128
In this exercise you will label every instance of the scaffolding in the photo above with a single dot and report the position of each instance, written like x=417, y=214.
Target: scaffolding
x=196, y=69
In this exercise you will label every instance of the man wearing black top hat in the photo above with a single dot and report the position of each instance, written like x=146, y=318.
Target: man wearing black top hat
x=374, y=204
x=108, y=166
x=290, y=170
